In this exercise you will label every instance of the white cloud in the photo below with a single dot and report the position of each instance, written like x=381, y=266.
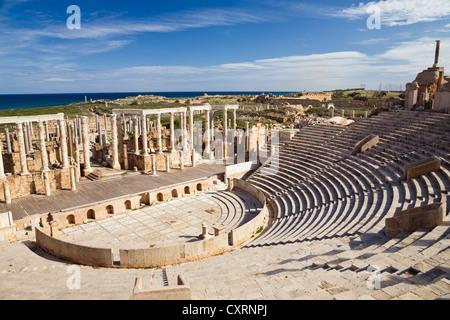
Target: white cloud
x=170, y=23
x=321, y=71
x=401, y=12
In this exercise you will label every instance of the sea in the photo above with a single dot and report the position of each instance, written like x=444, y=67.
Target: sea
x=21, y=101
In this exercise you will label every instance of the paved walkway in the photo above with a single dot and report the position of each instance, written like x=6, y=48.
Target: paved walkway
x=94, y=191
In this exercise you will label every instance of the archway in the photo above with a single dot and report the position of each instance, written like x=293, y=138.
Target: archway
x=71, y=219
x=91, y=214
x=110, y=209
x=199, y=187
x=174, y=193
x=160, y=197
x=128, y=205
x=187, y=190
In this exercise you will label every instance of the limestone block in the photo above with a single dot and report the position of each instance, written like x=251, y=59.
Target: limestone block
x=366, y=143
x=426, y=217
x=419, y=168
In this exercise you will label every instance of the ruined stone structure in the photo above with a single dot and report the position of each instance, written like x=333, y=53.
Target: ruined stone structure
x=36, y=157
x=430, y=88
x=330, y=204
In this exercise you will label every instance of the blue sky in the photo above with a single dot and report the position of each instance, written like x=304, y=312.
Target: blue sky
x=187, y=45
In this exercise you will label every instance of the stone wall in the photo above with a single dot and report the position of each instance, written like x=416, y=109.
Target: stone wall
x=95, y=257
x=417, y=169
x=173, y=254
x=255, y=225
x=441, y=102
x=21, y=186
x=426, y=217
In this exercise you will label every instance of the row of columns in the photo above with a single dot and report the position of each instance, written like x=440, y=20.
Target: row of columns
x=25, y=133
x=139, y=129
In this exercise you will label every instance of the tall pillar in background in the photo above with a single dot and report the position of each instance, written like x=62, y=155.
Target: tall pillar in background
x=86, y=146
x=144, y=135
x=47, y=135
x=115, y=143
x=73, y=183
x=30, y=136
x=8, y=141
x=63, y=141
x=44, y=158
x=172, y=132
x=2, y=168
x=191, y=129
x=25, y=138
x=183, y=130
x=153, y=157
x=7, y=191
x=234, y=121
x=208, y=134
x=158, y=133
x=23, y=156
x=136, y=135
x=42, y=147
x=225, y=133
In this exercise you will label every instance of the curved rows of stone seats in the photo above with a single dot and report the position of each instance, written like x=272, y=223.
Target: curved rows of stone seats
x=237, y=207
x=317, y=189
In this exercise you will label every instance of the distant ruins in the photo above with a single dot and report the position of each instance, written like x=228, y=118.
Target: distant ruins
x=430, y=89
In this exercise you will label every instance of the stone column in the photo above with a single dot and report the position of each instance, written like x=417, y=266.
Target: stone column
x=2, y=168
x=191, y=129
x=73, y=183
x=193, y=158
x=158, y=133
x=154, y=171
x=25, y=138
x=183, y=130
x=7, y=192
x=23, y=156
x=86, y=146
x=97, y=124
x=63, y=141
x=144, y=135
x=136, y=135
x=168, y=162
x=115, y=143
x=42, y=147
x=208, y=134
x=225, y=134
x=30, y=137
x=47, y=135
x=172, y=132
x=234, y=121
x=77, y=158
x=124, y=126
x=8, y=141
x=181, y=153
